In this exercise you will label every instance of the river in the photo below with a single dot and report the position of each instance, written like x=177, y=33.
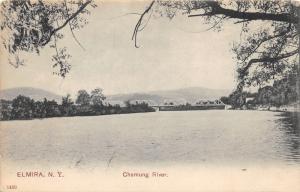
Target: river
x=215, y=137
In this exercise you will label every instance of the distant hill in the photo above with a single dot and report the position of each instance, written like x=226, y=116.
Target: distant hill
x=34, y=93
x=137, y=96
x=190, y=94
x=193, y=93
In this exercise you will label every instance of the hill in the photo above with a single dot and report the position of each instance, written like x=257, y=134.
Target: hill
x=193, y=93
x=190, y=94
x=34, y=93
x=137, y=96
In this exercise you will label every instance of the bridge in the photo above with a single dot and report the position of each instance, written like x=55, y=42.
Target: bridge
x=182, y=106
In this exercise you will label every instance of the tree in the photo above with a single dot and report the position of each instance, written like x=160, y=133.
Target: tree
x=5, y=109
x=67, y=106
x=237, y=99
x=39, y=109
x=30, y=25
x=264, y=95
x=67, y=101
x=51, y=108
x=97, y=97
x=281, y=93
x=268, y=53
x=83, y=98
x=225, y=100
x=22, y=108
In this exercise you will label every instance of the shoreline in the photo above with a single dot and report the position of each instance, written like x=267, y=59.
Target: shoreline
x=271, y=109
x=74, y=116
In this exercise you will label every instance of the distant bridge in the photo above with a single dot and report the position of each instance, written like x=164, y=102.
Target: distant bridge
x=176, y=105
x=200, y=105
x=175, y=102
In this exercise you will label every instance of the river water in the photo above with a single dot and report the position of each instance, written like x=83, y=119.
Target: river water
x=215, y=137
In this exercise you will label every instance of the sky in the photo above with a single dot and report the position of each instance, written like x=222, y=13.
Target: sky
x=173, y=54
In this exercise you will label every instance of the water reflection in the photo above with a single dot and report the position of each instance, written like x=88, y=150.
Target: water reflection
x=289, y=124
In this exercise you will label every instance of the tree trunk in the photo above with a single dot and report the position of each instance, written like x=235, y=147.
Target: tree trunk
x=298, y=74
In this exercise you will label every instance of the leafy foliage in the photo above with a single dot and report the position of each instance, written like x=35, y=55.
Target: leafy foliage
x=23, y=107
x=97, y=97
x=282, y=92
x=83, y=98
x=30, y=25
x=137, y=107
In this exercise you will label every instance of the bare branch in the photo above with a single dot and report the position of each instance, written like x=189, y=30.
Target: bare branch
x=126, y=14
x=204, y=14
x=72, y=32
x=137, y=26
x=216, y=24
x=242, y=21
x=146, y=23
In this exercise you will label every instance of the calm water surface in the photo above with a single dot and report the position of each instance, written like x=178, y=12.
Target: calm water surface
x=206, y=137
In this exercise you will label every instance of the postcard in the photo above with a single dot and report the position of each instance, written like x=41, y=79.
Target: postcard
x=149, y=95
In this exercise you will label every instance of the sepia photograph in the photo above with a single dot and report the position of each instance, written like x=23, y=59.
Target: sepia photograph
x=150, y=95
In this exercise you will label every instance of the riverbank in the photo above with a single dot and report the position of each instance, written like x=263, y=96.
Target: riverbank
x=13, y=110
x=285, y=108
x=293, y=107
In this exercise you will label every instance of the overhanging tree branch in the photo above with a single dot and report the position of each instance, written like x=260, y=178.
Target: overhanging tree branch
x=137, y=26
x=216, y=9
x=268, y=38
x=266, y=47
x=72, y=32
x=269, y=59
x=67, y=21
